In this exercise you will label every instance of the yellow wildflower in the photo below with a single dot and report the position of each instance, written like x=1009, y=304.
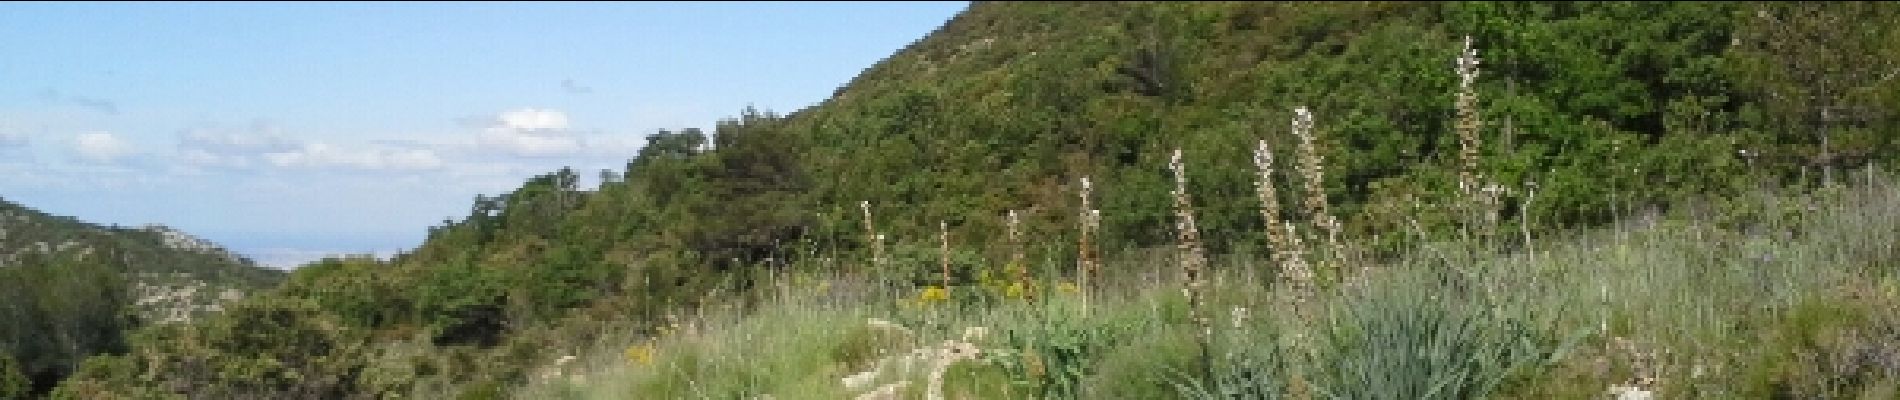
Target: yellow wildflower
x=640, y=354
x=1069, y=287
x=933, y=294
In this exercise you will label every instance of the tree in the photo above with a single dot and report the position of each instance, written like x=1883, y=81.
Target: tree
x=670, y=145
x=756, y=186
x=1818, y=63
x=59, y=309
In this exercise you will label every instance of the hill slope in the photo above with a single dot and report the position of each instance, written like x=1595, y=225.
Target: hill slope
x=69, y=289
x=1607, y=107
x=1009, y=104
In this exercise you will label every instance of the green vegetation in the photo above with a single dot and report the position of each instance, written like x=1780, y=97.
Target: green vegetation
x=1685, y=306
x=26, y=233
x=1618, y=193
x=58, y=312
x=69, y=290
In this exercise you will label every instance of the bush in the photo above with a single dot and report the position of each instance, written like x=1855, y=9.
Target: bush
x=258, y=348
x=13, y=382
x=1050, y=348
x=1253, y=365
x=1412, y=336
x=1145, y=369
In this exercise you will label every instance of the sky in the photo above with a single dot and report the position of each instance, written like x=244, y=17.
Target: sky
x=288, y=131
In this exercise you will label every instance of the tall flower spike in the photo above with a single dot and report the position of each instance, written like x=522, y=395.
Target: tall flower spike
x=877, y=240
x=1312, y=165
x=943, y=227
x=1012, y=225
x=1193, y=260
x=1297, y=276
x=1468, y=64
x=1468, y=122
x=1085, y=262
x=1092, y=221
x=1296, y=258
x=1016, y=252
x=1468, y=125
x=1524, y=217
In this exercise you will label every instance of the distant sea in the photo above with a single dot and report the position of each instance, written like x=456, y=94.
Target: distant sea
x=289, y=250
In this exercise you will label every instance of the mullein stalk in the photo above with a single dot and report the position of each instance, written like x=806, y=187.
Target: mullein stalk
x=1020, y=270
x=1312, y=165
x=943, y=237
x=1524, y=218
x=871, y=235
x=1469, y=123
x=1193, y=264
x=1296, y=258
x=1293, y=271
x=1086, y=264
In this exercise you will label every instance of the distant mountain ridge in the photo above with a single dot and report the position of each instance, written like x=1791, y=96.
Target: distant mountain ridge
x=150, y=248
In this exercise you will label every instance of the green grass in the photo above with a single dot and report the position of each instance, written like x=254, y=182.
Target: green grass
x=793, y=350
x=1767, y=296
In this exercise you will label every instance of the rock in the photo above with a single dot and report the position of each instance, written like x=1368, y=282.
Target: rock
x=886, y=392
x=860, y=380
x=1626, y=392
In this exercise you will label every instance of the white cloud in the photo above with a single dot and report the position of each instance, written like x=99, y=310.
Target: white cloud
x=212, y=145
x=530, y=132
x=229, y=143
x=527, y=144
x=413, y=159
x=530, y=119
x=204, y=158
x=100, y=147
x=224, y=148
x=322, y=155
x=536, y=137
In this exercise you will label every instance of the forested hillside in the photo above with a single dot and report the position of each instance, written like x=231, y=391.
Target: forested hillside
x=1577, y=115
x=70, y=289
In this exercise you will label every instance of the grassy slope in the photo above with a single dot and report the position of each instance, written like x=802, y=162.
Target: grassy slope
x=1791, y=295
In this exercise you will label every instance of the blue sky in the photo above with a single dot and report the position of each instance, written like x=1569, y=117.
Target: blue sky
x=292, y=130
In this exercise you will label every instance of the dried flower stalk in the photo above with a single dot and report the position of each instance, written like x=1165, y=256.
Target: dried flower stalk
x=1193, y=260
x=876, y=240
x=1086, y=263
x=1017, y=267
x=1312, y=165
x=1293, y=270
x=943, y=237
x=1466, y=104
